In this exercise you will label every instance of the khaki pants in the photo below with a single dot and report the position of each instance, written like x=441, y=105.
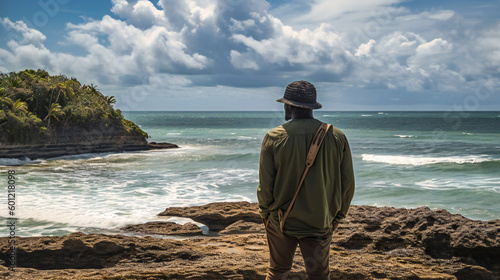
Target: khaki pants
x=315, y=251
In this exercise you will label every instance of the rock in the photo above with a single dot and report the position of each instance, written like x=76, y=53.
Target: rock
x=372, y=243
x=154, y=145
x=165, y=228
x=217, y=216
x=66, y=149
x=242, y=227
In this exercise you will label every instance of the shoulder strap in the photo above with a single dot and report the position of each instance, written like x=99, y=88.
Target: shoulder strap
x=311, y=157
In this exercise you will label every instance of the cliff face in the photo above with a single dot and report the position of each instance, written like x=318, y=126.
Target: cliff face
x=372, y=243
x=95, y=137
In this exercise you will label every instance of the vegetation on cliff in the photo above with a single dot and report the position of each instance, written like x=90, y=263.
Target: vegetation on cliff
x=36, y=107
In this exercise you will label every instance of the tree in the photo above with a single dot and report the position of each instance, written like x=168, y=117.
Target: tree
x=110, y=99
x=65, y=89
x=54, y=111
x=5, y=102
x=13, y=81
x=19, y=107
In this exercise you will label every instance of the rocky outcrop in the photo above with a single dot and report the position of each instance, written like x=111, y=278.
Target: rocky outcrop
x=372, y=243
x=97, y=137
x=165, y=228
x=66, y=149
x=154, y=145
x=217, y=216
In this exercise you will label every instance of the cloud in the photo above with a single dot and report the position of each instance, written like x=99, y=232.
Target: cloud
x=488, y=44
x=362, y=44
x=365, y=49
x=29, y=35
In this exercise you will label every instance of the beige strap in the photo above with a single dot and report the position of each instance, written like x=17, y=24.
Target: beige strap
x=311, y=156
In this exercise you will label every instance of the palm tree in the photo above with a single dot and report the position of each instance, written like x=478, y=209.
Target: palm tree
x=55, y=111
x=110, y=99
x=6, y=100
x=51, y=88
x=65, y=89
x=19, y=106
x=13, y=81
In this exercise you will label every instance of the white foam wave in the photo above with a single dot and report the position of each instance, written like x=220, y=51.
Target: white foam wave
x=16, y=161
x=405, y=136
x=421, y=160
x=246, y=138
x=367, y=115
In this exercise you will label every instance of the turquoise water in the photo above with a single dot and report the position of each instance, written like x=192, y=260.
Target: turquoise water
x=402, y=159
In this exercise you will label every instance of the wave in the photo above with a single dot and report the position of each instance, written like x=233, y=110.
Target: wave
x=421, y=160
x=17, y=162
x=405, y=136
x=246, y=138
x=367, y=115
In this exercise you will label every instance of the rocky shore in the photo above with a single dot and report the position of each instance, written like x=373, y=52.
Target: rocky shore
x=68, y=149
x=372, y=243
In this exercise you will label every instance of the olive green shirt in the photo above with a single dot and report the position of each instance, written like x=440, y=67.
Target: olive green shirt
x=328, y=188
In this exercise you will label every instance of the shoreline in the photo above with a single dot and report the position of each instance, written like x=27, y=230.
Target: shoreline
x=45, y=151
x=372, y=243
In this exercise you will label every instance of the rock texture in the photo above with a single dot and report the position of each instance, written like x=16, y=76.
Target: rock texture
x=154, y=145
x=165, y=228
x=372, y=243
x=217, y=216
x=67, y=149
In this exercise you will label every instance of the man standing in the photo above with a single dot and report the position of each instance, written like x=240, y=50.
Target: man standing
x=324, y=197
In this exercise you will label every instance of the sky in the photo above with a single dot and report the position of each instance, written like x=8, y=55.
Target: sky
x=232, y=55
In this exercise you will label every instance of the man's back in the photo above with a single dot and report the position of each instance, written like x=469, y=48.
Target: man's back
x=326, y=193
x=328, y=188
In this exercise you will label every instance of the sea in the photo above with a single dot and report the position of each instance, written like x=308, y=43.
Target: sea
x=445, y=160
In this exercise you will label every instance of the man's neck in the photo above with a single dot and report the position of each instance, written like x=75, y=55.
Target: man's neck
x=308, y=115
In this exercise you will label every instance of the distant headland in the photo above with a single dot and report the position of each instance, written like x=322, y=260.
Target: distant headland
x=43, y=116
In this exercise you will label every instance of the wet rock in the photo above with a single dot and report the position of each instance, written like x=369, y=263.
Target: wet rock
x=402, y=244
x=165, y=228
x=163, y=145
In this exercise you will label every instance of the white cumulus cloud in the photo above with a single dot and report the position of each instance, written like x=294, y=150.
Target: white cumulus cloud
x=367, y=44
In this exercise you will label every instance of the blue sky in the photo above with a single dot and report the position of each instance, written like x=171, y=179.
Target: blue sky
x=240, y=55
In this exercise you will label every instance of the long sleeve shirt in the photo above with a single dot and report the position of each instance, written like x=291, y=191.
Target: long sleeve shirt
x=328, y=188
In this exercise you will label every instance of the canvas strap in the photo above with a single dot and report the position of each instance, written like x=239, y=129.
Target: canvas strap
x=311, y=156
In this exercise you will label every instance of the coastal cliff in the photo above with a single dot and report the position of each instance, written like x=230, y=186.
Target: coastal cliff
x=44, y=116
x=372, y=243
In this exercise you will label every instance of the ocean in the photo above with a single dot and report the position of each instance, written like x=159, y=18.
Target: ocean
x=447, y=160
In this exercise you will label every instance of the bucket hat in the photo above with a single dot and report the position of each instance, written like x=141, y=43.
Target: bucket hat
x=300, y=94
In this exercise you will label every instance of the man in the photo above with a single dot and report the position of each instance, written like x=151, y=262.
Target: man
x=326, y=193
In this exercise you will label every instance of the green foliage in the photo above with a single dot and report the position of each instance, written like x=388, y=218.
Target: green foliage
x=12, y=80
x=54, y=111
x=5, y=102
x=132, y=127
x=110, y=99
x=3, y=116
x=61, y=102
x=23, y=128
x=19, y=107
